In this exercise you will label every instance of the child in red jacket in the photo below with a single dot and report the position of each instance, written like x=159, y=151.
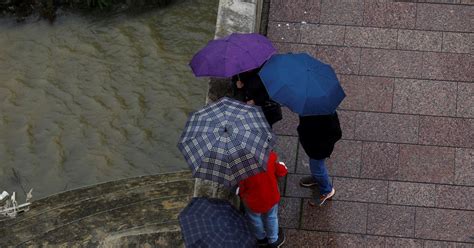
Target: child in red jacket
x=261, y=196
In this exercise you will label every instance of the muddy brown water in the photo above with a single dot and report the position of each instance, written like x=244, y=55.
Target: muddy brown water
x=90, y=99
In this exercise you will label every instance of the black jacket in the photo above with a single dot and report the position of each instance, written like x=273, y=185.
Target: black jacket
x=255, y=90
x=318, y=134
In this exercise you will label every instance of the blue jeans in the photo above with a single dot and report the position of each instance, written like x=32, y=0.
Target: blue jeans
x=320, y=174
x=265, y=225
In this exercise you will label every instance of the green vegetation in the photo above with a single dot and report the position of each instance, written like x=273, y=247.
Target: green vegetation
x=47, y=8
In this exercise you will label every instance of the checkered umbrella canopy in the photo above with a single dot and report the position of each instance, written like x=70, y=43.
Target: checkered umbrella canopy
x=209, y=222
x=227, y=141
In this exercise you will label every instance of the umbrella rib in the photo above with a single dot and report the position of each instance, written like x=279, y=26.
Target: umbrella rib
x=308, y=80
x=205, y=155
x=197, y=135
x=201, y=65
x=245, y=149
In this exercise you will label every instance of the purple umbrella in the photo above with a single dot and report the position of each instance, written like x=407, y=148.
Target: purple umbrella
x=231, y=55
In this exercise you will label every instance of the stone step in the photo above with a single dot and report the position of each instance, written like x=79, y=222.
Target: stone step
x=83, y=208
x=88, y=221
x=65, y=198
x=92, y=230
x=154, y=235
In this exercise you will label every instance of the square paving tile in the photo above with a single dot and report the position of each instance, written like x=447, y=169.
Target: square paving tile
x=464, y=167
x=426, y=164
x=283, y=47
x=424, y=97
x=283, y=31
x=465, y=100
x=391, y=220
x=341, y=12
x=380, y=160
x=391, y=63
x=389, y=14
x=344, y=161
x=371, y=37
x=336, y=240
x=293, y=188
x=289, y=123
x=342, y=59
x=414, y=194
x=322, y=34
x=289, y=212
x=302, y=163
x=419, y=40
x=444, y=224
x=361, y=190
x=347, y=121
x=286, y=148
x=339, y=216
x=445, y=131
x=305, y=239
x=367, y=93
x=403, y=242
x=448, y=66
x=294, y=11
x=445, y=17
x=387, y=127
x=444, y=244
x=457, y=197
x=458, y=42
x=436, y=1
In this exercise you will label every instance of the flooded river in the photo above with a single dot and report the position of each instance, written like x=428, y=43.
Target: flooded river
x=90, y=99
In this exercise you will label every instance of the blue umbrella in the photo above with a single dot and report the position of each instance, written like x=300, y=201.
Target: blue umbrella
x=209, y=222
x=302, y=83
x=227, y=141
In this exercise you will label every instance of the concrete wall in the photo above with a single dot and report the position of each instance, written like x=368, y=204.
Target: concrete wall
x=239, y=16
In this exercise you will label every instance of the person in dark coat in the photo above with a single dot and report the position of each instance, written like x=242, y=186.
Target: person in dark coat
x=318, y=134
x=248, y=88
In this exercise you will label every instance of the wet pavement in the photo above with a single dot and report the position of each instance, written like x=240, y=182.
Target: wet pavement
x=404, y=170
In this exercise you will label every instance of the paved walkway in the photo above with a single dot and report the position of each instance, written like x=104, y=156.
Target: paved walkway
x=404, y=170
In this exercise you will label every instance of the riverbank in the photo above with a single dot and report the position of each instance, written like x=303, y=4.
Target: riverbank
x=141, y=210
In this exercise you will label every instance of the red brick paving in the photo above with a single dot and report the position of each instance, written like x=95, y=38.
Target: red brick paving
x=404, y=170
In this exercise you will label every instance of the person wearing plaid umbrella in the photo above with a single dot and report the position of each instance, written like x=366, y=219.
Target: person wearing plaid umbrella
x=261, y=196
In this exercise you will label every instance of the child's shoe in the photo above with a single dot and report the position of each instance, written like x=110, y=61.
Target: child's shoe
x=262, y=242
x=281, y=239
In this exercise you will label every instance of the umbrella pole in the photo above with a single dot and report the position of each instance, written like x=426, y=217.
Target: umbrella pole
x=215, y=186
x=196, y=182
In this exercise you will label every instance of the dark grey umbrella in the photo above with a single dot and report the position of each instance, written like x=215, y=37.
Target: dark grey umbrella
x=209, y=222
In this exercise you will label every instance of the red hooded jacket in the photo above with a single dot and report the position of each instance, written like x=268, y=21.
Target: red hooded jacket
x=260, y=192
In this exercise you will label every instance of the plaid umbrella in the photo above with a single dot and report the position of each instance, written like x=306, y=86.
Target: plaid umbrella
x=227, y=141
x=209, y=222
